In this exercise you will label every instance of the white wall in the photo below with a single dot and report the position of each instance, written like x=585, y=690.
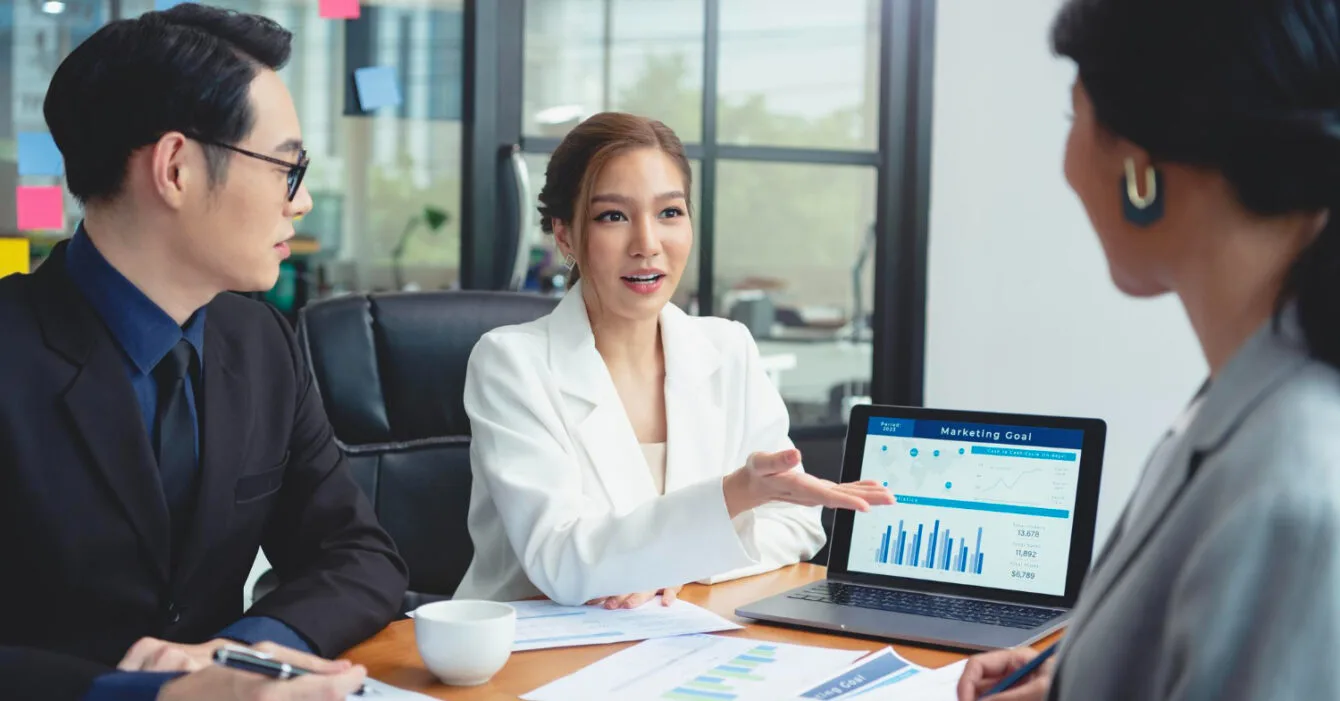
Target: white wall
x=1021, y=313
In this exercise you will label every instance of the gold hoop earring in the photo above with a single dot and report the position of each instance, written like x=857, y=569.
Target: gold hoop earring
x=1133, y=187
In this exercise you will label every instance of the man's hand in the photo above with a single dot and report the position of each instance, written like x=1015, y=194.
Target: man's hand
x=216, y=683
x=154, y=655
x=632, y=601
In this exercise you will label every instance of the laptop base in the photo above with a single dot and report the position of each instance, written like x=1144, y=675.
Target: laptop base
x=886, y=625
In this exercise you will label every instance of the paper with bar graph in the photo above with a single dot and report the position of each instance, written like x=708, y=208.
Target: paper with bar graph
x=929, y=685
x=698, y=668
x=545, y=624
x=875, y=671
x=885, y=676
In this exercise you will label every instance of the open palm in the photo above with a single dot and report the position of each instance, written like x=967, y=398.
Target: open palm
x=773, y=477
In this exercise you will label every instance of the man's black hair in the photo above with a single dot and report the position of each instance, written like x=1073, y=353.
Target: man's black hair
x=186, y=69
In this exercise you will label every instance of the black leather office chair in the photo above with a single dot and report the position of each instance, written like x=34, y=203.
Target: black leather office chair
x=391, y=371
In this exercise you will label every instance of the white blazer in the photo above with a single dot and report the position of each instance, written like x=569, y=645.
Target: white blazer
x=563, y=503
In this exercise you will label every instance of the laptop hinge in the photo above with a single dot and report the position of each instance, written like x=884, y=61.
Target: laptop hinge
x=838, y=577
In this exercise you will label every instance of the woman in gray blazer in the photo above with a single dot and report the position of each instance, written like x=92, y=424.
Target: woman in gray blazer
x=1206, y=149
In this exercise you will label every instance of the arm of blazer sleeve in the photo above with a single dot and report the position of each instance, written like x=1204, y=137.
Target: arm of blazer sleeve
x=28, y=673
x=1257, y=604
x=572, y=546
x=782, y=534
x=341, y=577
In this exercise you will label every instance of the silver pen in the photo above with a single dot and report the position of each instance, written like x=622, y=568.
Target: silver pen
x=248, y=660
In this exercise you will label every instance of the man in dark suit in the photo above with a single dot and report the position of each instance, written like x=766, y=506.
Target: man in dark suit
x=155, y=430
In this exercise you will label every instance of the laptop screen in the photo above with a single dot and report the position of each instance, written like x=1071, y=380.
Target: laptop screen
x=975, y=504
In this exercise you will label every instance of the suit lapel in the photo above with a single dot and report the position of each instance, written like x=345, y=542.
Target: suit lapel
x=609, y=442
x=693, y=405
x=695, y=420
x=1132, y=533
x=1264, y=362
x=102, y=406
x=592, y=406
x=224, y=413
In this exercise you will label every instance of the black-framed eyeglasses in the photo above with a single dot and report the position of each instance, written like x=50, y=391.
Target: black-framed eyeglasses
x=296, y=171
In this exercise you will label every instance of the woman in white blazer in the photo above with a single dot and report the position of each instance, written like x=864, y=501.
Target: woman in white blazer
x=620, y=447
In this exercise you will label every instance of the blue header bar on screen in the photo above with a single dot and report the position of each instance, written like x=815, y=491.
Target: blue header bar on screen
x=977, y=433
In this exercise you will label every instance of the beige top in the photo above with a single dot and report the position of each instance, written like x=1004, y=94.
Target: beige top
x=655, y=455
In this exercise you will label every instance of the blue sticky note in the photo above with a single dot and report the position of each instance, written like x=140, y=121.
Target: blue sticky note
x=377, y=86
x=38, y=154
x=161, y=5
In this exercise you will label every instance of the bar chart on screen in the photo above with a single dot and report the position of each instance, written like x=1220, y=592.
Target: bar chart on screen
x=941, y=551
x=1017, y=549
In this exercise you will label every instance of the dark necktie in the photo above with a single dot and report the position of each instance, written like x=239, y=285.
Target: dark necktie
x=175, y=446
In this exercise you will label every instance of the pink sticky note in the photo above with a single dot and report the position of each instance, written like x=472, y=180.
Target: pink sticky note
x=40, y=208
x=339, y=9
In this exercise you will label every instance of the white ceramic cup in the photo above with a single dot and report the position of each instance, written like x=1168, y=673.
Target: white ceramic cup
x=464, y=643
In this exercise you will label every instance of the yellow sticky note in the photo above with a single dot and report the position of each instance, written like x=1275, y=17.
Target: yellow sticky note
x=14, y=256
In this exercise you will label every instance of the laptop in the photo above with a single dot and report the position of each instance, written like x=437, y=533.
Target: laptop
x=987, y=544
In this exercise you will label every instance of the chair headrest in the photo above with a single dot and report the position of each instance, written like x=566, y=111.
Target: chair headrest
x=391, y=367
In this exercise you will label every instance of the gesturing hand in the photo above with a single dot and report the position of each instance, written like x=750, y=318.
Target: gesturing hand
x=768, y=477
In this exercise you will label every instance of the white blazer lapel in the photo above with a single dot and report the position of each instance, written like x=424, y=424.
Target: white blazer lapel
x=695, y=419
x=592, y=408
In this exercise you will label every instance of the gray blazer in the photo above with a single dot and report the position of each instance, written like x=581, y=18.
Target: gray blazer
x=1226, y=584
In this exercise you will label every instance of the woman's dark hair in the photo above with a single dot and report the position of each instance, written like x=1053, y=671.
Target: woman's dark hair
x=575, y=167
x=187, y=69
x=1249, y=88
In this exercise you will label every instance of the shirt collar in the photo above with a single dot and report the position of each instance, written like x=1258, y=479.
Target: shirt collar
x=144, y=331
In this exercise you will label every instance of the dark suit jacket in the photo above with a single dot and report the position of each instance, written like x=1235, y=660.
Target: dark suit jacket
x=82, y=511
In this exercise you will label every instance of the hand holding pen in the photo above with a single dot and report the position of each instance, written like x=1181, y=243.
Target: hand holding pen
x=1016, y=674
x=242, y=674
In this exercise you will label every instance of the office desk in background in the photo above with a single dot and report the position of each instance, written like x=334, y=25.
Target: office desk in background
x=391, y=656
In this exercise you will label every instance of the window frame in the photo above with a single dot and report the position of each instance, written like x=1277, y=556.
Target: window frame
x=493, y=123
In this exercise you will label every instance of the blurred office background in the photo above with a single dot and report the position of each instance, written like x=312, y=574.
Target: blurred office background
x=878, y=188
x=786, y=193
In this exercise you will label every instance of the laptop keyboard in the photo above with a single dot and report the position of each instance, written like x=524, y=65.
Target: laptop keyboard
x=919, y=604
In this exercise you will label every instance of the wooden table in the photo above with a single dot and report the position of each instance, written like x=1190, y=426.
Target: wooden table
x=391, y=656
